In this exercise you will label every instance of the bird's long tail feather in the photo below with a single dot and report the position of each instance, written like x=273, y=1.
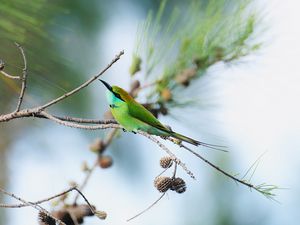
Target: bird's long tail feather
x=197, y=143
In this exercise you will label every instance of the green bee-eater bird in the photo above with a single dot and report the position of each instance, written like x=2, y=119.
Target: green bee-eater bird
x=133, y=116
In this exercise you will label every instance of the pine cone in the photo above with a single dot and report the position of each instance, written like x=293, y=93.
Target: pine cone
x=162, y=184
x=166, y=162
x=178, y=185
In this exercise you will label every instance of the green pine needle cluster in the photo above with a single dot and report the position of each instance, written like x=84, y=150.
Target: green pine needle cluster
x=267, y=190
x=191, y=39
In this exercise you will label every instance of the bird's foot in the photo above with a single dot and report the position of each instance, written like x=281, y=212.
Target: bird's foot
x=124, y=129
x=133, y=132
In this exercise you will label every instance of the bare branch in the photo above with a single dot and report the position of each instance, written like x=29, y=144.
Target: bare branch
x=81, y=120
x=35, y=113
x=79, y=126
x=10, y=76
x=241, y=181
x=217, y=168
x=38, y=202
x=24, y=78
x=85, y=84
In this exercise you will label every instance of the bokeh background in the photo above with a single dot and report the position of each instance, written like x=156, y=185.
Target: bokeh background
x=251, y=106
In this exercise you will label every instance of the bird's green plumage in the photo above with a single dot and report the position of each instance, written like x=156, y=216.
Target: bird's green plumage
x=133, y=116
x=138, y=111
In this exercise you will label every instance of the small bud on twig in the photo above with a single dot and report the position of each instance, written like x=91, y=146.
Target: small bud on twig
x=97, y=146
x=85, y=167
x=101, y=215
x=73, y=183
x=105, y=161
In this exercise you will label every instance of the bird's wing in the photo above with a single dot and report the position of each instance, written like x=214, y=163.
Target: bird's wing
x=139, y=112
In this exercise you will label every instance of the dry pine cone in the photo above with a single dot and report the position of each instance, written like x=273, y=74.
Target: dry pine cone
x=166, y=162
x=178, y=185
x=163, y=184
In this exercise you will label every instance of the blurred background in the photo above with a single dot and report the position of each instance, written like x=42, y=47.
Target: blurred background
x=249, y=104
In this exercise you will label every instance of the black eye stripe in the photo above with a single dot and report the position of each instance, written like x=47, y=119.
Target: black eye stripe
x=118, y=96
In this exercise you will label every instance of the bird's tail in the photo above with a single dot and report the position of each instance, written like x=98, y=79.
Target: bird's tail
x=197, y=143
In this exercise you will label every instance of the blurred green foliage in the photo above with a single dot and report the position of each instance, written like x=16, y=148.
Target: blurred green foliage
x=177, y=46
x=56, y=36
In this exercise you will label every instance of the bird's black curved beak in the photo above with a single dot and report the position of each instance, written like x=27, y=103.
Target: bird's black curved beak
x=106, y=85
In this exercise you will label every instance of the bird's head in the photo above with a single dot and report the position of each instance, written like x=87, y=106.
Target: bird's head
x=116, y=94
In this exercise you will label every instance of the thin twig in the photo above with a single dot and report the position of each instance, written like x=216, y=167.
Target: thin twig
x=87, y=177
x=149, y=207
x=85, y=84
x=162, y=172
x=24, y=78
x=6, y=74
x=109, y=138
x=37, y=207
x=40, y=201
x=175, y=170
x=217, y=168
x=85, y=199
x=10, y=76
